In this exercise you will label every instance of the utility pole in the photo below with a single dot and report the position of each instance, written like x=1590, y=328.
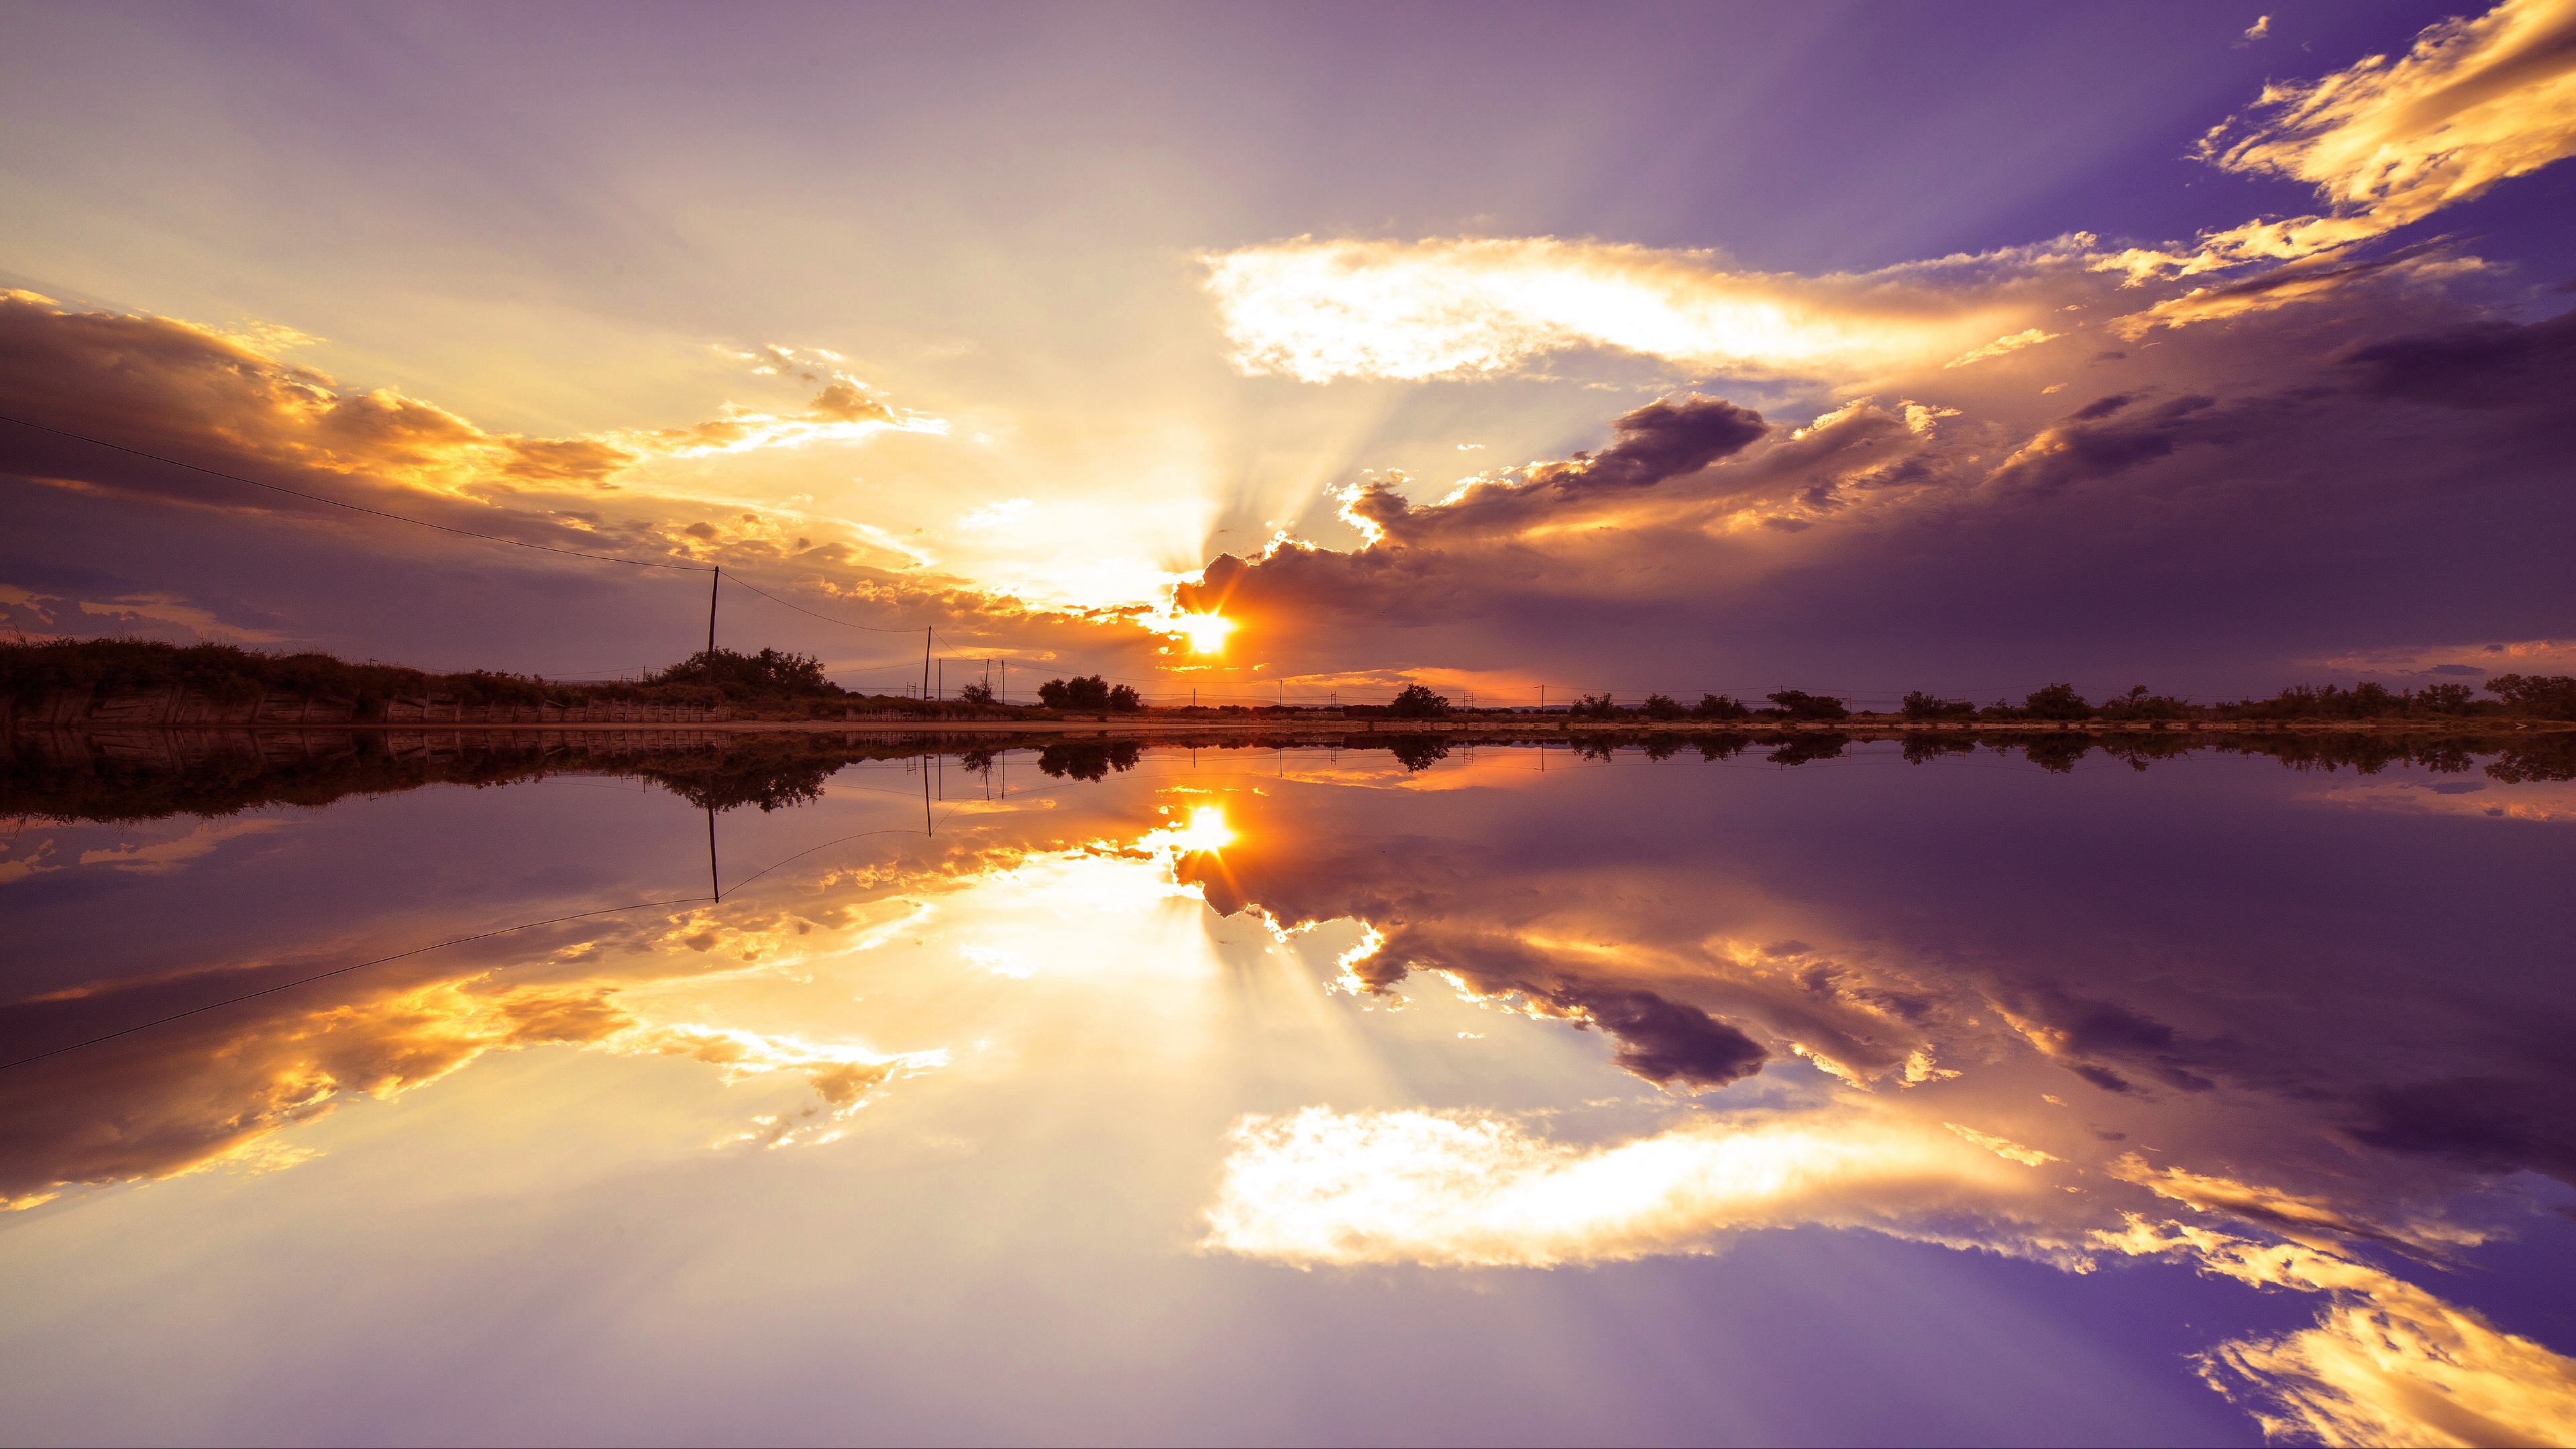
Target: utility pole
x=925, y=663
x=943, y=679
x=715, y=882
x=713, y=580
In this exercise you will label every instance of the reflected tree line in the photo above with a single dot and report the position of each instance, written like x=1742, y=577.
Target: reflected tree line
x=784, y=771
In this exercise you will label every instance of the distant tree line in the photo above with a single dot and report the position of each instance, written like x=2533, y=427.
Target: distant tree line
x=1091, y=694
x=776, y=681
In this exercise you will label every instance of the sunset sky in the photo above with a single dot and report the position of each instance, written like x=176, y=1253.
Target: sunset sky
x=1848, y=348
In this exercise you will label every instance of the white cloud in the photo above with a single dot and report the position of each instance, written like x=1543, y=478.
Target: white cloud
x=1455, y=1190
x=1468, y=307
x=1007, y=511
x=2386, y=143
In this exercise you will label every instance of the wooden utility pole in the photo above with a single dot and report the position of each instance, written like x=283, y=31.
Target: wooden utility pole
x=713, y=580
x=925, y=664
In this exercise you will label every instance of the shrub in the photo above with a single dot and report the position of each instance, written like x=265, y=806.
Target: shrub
x=1658, y=706
x=1798, y=704
x=1079, y=693
x=2055, y=701
x=1721, y=706
x=2550, y=696
x=1416, y=701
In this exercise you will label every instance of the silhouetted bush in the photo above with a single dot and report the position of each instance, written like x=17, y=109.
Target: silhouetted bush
x=1418, y=752
x=1806, y=749
x=1088, y=693
x=1798, y=704
x=1721, y=706
x=2055, y=702
x=1089, y=759
x=1658, y=706
x=1416, y=701
x=1722, y=747
x=1919, y=705
x=2550, y=696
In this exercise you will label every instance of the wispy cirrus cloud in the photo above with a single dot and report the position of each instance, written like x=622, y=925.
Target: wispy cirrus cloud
x=2387, y=143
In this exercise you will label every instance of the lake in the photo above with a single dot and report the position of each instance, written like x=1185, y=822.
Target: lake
x=1728, y=1091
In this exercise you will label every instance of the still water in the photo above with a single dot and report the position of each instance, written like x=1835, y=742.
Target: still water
x=1303, y=1095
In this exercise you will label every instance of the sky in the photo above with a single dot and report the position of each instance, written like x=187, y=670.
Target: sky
x=1857, y=349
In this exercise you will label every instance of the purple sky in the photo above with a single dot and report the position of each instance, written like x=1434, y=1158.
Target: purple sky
x=1008, y=321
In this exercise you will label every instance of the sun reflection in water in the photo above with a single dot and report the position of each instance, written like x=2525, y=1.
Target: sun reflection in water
x=1205, y=830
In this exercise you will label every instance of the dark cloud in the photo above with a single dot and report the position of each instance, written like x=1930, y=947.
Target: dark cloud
x=165, y=386
x=1665, y=1042
x=2483, y=365
x=2086, y=448
x=2486, y=1124
x=1667, y=439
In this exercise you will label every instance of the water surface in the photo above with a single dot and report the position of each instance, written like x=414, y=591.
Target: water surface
x=1512, y=1095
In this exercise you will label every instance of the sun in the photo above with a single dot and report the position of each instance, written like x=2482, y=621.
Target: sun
x=1206, y=632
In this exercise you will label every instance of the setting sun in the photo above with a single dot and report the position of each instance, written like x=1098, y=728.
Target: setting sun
x=1206, y=632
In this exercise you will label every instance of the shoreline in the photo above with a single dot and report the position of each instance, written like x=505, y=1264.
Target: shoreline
x=1150, y=725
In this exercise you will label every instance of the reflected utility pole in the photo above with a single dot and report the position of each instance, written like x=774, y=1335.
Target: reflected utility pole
x=715, y=882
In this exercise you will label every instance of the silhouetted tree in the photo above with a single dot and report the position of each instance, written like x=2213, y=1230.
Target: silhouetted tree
x=1798, y=704
x=1089, y=759
x=1418, y=752
x=2056, y=753
x=1664, y=747
x=1594, y=706
x=1080, y=693
x=2550, y=696
x=978, y=694
x=1805, y=748
x=1722, y=747
x=2055, y=701
x=1919, y=705
x=1925, y=748
x=1721, y=706
x=2139, y=704
x=1659, y=706
x=1416, y=701
x=1123, y=700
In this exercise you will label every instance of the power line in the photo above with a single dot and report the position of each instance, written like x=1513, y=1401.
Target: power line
x=826, y=618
